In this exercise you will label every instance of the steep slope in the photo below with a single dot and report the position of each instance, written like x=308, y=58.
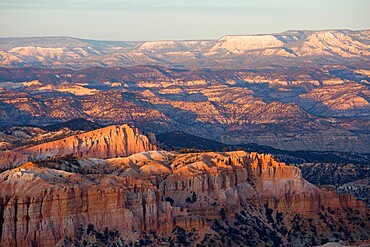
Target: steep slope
x=108, y=142
x=105, y=143
x=73, y=124
x=151, y=197
x=336, y=43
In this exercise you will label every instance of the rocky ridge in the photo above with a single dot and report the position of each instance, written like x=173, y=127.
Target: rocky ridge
x=108, y=142
x=231, y=51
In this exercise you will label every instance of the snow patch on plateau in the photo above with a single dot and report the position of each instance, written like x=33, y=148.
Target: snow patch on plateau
x=240, y=44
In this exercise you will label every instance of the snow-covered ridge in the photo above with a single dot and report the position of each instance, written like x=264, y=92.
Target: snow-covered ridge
x=151, y=45
x=240, y=44
x=30, y=50
x=76, y=53
x=173, y=45
x=333, y=43
x=52, y=52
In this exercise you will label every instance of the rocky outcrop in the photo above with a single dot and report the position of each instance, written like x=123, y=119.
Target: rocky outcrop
x=43, y=203
x=108, y=142
x=241, y=178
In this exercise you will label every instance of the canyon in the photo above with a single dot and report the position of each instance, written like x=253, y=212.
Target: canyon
x=245, y=140
x=295, y=90
x=80, y=189
x=285, y=108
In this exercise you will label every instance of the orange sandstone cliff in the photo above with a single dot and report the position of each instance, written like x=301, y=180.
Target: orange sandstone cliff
x=213, y=196
x=108, y=142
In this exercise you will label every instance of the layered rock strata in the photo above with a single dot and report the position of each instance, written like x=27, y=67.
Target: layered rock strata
x=108, y=142
x=42, y=203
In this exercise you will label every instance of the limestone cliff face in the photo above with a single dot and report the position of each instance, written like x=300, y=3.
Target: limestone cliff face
x=108, y=142
x=43, y=203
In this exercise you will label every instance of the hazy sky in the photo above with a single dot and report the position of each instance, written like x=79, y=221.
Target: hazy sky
x=175, y=19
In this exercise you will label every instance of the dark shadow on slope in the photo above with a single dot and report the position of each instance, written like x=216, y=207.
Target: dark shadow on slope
x=184, y=142
x=74, y=124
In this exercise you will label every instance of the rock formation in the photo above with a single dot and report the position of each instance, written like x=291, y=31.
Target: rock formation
x=53, y=202
x=108, y=142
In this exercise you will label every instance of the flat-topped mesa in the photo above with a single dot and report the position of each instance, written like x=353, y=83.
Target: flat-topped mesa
x=240, y=44
x=164, y=44
x=173, y=46
x=108, y=142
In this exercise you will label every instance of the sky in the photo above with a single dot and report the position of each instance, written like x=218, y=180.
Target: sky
x=141, y=20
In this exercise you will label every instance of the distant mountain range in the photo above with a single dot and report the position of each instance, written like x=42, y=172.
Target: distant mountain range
x=227, y=52
x=296, y=90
